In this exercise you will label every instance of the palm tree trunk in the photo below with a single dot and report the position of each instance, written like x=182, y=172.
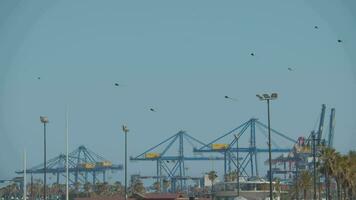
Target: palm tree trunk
x=305, y=194
x=212, y=190
x=327, y=189
x=338, y=189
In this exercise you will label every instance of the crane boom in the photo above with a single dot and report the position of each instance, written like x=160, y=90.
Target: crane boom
x=321, y=124
x=331, y=128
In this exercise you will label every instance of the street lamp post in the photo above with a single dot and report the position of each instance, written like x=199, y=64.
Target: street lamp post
x=238, y=166
x=24, y=175
x=297, y=175
x=44, y=120
x=268, y=98
x=125, y=129
x=314, y=163
x=67, y=156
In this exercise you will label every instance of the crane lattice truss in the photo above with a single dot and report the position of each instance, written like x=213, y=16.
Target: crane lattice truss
x=304, y=147
x=170, y=158
x=249, y=154
x=83, y=163
x=323, y=139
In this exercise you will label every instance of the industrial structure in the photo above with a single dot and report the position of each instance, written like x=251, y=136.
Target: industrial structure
x=172, y=167
x=83, y=164
x=301, y=156
x=170, y=157
x=250, y=153
x=295, y=154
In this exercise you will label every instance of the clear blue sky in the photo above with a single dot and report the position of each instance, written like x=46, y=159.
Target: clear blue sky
x=180, y=57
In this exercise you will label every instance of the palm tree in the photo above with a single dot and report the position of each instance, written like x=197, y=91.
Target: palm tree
x=337, y=168
x=37, y=188
x=340, y=174
x=328, y=159
x=87, y=188
x=231, y=176
x=102, y=189
x=212, y=175
x=166, y=184
x=305, y=182
x=118, y=188
x=352, y=176
x=107, y=190
x=55, y=190
x=137, y=187
x=156, y=186
x=277, y=187
x=77, y=186
x=342, y=168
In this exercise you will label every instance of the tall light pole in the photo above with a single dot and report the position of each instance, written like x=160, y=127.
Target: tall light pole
x=297, y=175
x=238, y=166
x=314, y=163
x=67, y=157
x=44, y=120
x=24, y=175
x=126, y=130
x=268, y=98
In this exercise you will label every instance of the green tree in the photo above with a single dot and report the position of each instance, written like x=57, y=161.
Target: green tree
x=166, y=185
x=138, y=187
x=305, y=183
x=156, y=186
x=277, y=187
x=231, y=176
x=212, y=175
x=87, y=188
x=118, y=189
x=102, y=189
x=328, y=166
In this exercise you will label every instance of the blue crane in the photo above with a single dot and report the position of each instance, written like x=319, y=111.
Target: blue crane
x=82, y=163
x=321, y=125
x=250, y=152
x=168, y=162
x=331, y=128
x=326, y=140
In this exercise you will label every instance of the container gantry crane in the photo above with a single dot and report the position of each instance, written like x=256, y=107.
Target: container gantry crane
x=82, y=164
x=250, y=152
x=304, y=148
x=168, y=162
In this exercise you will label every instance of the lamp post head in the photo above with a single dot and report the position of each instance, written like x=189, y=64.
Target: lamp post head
x=264, y=97
x=125, y=129
x=260, y=97
x=44, y=119
x=274, y=96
